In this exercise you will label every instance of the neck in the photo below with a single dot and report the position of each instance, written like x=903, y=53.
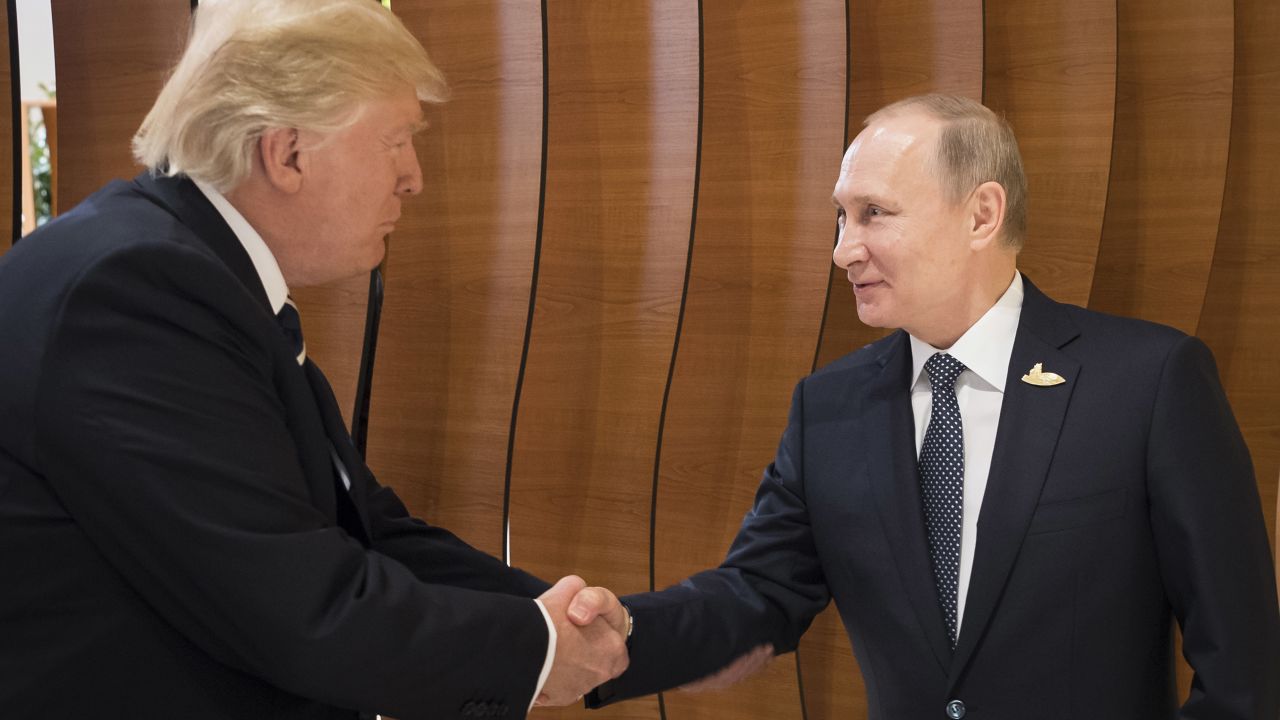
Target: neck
x=960, y=313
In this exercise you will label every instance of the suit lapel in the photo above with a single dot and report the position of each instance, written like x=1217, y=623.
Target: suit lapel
x=181, y=198
x=1030, y=422
x=892, y=473
x=336, y=430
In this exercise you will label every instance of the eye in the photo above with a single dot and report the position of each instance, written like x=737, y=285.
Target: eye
x=873, y=211
x=840, y=217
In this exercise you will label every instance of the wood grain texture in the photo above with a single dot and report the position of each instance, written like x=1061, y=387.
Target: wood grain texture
x=112, y=58
x=896, y=49
x=459, y=271
x=1168, y=161
x=1050, y=67
x=333, y=319
x=621, y=155
x=1241, y=317
x=773, y=124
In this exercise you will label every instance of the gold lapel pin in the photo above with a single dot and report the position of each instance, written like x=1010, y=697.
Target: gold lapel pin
x=1038, y=377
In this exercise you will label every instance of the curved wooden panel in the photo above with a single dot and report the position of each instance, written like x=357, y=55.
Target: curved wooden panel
x=900, y=48
x=621, y=154
x=1241, y=316
x=1168, y=161
x=1050, y=67
x=896, y=49
x=112, y=59
x=773, y=134
x=459, y=271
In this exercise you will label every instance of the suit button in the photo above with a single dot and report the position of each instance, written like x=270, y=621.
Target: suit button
x=955, y=710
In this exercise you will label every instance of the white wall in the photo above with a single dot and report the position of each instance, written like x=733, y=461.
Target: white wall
x=35, y=47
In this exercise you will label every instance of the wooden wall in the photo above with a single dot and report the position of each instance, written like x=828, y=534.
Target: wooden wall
x=621, y=262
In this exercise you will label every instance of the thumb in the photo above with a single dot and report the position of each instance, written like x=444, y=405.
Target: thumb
x=587, y=605
x=596, y=602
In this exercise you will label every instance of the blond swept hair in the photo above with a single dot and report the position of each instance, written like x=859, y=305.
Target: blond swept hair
x=255, y=65
x=975, y=146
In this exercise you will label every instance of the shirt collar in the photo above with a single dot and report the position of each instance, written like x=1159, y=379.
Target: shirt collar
x=985, y=348
x=263, y=261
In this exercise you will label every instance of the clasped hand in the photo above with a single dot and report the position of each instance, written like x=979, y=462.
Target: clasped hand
x=591, y=639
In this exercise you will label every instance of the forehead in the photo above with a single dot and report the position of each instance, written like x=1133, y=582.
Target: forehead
x=888, y=153
x=393, y=112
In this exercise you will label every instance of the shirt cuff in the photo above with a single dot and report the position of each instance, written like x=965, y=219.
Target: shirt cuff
x=551, y=654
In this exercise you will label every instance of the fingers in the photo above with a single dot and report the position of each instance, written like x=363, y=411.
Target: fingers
x=562, y=593
x=735, y=672
x=590, y=647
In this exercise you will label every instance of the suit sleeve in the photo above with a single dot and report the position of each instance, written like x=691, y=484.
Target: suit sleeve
x=160, y=429
x=768, y=590
x=1212, y=544
x=436, y=555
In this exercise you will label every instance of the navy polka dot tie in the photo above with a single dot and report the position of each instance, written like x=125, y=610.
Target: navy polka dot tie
x=291, y=324
x=942, y=482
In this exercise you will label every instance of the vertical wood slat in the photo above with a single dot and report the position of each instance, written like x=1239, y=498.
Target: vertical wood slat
x=621, y=150
x=773, y=117
x=460, y=269
x=896, y=49
x=109, y=73
x=1050, y=66
x=1168, y=160
x=1241, y=317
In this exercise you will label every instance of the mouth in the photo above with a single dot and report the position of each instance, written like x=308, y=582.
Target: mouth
x=863, y=287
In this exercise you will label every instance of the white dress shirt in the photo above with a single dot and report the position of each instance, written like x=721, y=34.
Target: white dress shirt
x=277, y=290
x=984, y=349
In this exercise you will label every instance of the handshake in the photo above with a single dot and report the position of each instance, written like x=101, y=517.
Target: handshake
x=592, y=627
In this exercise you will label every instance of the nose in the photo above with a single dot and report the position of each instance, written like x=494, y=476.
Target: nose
x=410, y=181
x=849, y=248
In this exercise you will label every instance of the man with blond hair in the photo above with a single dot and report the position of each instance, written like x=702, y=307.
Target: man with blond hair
x=186, y=530
x=1010, y=500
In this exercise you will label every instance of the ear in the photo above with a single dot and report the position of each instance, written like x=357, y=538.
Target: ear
x=985, y=216
x=280, y=156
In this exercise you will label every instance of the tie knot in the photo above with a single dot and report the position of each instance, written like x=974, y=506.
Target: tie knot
x=291, y=325
x=943, y=370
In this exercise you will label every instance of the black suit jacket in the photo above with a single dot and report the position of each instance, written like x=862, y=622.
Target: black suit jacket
x=173, y=542
x=1116, y=503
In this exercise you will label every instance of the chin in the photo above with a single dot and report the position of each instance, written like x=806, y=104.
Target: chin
x=873, y=317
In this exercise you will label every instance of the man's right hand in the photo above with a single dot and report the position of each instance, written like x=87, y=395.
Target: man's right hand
x=586, y=656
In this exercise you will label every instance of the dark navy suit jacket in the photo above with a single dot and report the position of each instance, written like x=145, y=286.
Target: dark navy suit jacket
x=1117, y=502
x=172, y=539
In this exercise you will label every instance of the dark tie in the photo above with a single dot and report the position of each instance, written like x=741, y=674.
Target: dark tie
x=330, y=416
x=292, y=326
x=942, y=482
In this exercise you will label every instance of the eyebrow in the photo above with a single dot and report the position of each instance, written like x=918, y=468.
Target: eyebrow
x=858, y=200
x=418, y=126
